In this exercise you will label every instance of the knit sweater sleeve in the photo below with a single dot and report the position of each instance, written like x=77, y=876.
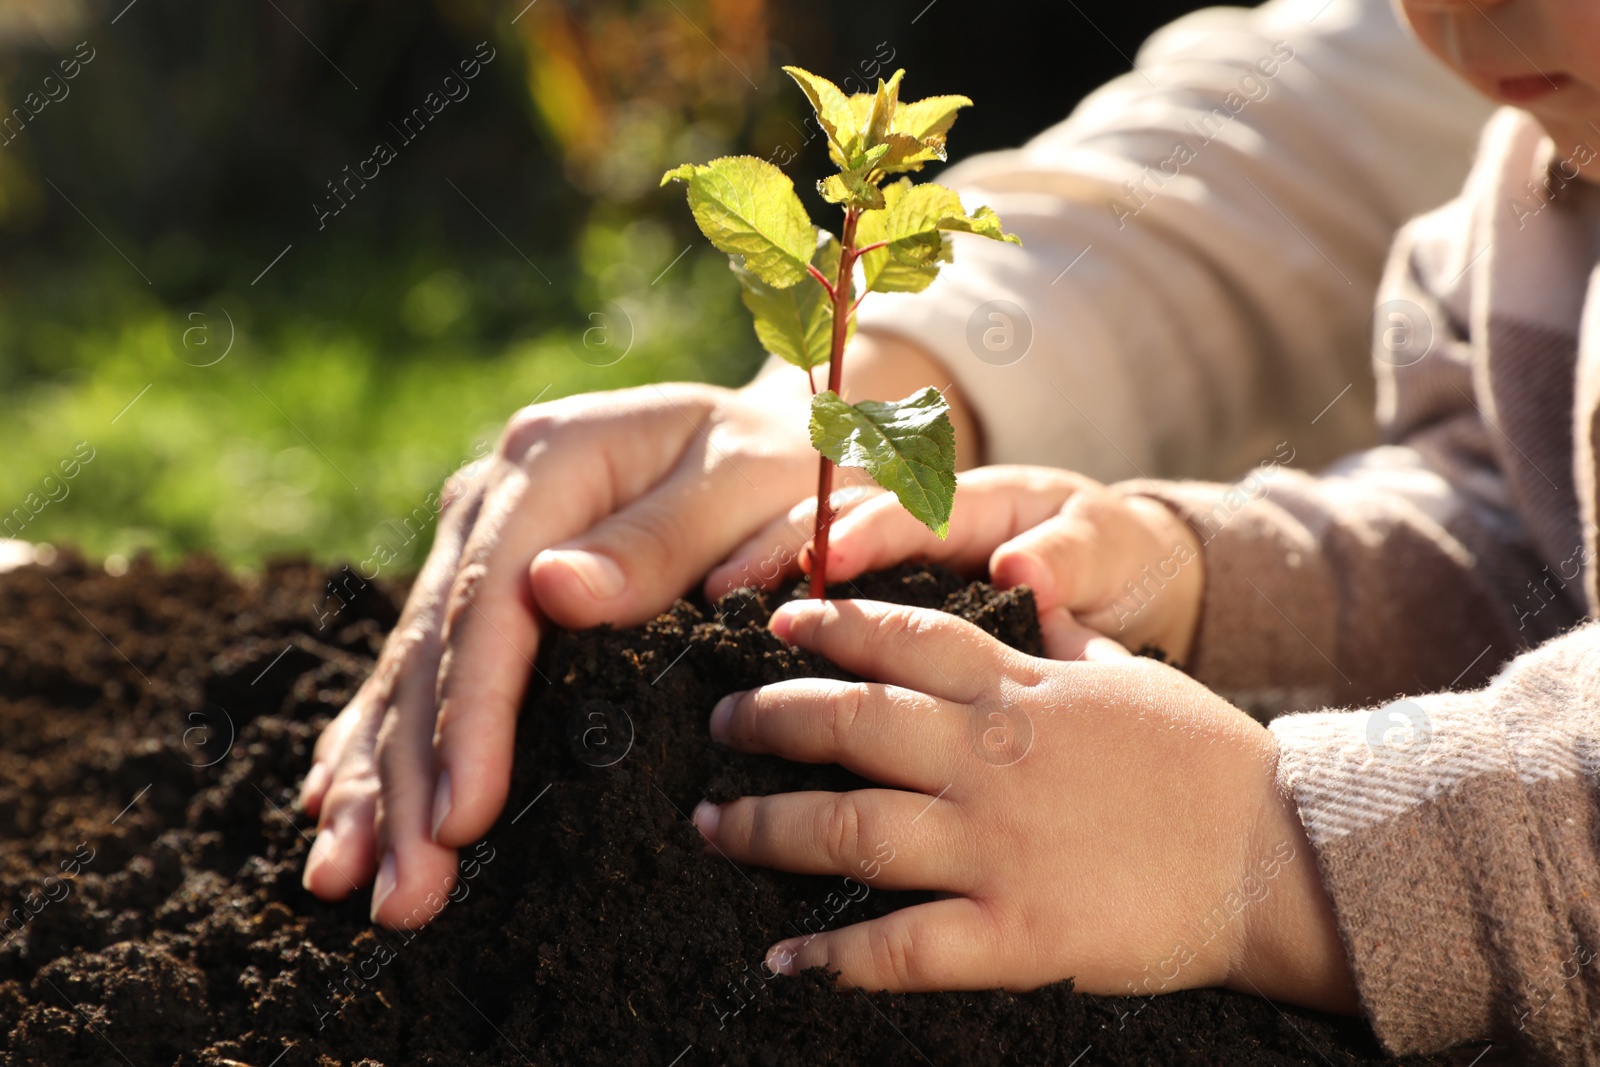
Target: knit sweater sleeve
x=1414, y=566
x=1201, y=242
x=1458, y=835
x=1457, y=832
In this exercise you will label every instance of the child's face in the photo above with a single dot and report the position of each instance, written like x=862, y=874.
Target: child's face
x=1539, y=55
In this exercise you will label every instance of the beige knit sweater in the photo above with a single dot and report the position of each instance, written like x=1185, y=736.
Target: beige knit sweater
x=1440, y=585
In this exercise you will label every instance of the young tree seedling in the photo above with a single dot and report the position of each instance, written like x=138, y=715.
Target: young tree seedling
x=800, y=282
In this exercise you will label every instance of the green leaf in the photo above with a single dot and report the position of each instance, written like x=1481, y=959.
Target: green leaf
x=908, y=446
x=983, y=222
x=796, y=323
x=748, y=207
x=852, y=186
x=880, y=120
x=905, y=272
x=915, y=132
x=850, y=189
x=930, y=117
x=918, y=132
x=833, y=109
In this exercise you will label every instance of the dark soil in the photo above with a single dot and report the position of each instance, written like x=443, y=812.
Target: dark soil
x=154, y=728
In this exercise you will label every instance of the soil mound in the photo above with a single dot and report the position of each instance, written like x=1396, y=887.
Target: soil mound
x=154, y=728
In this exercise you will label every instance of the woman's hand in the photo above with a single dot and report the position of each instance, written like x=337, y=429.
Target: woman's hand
x=1122, y=564
x=594, y=508
x=1110, y=821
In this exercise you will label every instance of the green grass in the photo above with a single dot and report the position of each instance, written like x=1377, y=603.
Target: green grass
x=343, y=402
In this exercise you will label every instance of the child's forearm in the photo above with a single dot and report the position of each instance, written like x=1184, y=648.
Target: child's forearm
x=1455, y=833
x=1339, y=591
x=1292, y=949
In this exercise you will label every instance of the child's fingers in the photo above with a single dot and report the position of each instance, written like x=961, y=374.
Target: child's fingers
x=894, y=736
x=772, y=554
x=768, y=556
x=893, y=839
x=1065, y=638
x=992, y=504
x=1074, y=559
x=945, y=944
x=917, y=648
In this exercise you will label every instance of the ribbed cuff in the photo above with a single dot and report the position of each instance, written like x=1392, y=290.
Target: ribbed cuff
x=1266, y=638
x=1455, y=833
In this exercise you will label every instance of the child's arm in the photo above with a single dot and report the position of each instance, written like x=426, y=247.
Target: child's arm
x=1457, y=837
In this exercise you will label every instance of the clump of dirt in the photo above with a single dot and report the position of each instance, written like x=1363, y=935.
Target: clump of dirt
x=154, y=728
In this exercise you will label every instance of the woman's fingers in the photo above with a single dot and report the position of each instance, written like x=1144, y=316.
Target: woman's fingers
x=345, y=782
x=992, y=504
x=895, y=736
x=411, y=867
x=657, y=545
x=945, y=944
x=718, y=472
x=888, y=838
x=917, y=648
x=330, y=749
x=341, y=859
x=557, y=472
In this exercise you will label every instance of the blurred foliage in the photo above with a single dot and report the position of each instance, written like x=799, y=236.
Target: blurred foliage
x=513, y=246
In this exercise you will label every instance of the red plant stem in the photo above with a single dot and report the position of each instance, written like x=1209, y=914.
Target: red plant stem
x=842, y=309
x=822, y=279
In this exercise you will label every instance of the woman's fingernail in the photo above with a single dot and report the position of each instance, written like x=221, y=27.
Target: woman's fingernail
x=318, y=856
x=441, y=802
x=388, y=878
x=781, y=958
x=721, y=715
x=316, y=781
x=705, y=818
x=599, y=574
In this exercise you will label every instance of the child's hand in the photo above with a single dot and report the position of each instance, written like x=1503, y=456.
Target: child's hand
x=1113, y=822
x=1126, y=566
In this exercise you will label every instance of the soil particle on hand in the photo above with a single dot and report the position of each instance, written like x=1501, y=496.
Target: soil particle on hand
x=154, y=728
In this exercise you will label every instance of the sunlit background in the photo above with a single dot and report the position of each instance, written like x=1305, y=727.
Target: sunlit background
x=271, y=337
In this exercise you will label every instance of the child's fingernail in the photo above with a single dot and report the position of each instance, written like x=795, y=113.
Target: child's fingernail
x=320, y=848
x=721, y=715
x=388, y=878
x=441, y=802
x=783, y=620
x=781, y=958
x=1022, y=569
x=705, y=818
x=599, y=574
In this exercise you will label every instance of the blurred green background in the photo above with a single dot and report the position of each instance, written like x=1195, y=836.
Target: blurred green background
x=266, y=353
